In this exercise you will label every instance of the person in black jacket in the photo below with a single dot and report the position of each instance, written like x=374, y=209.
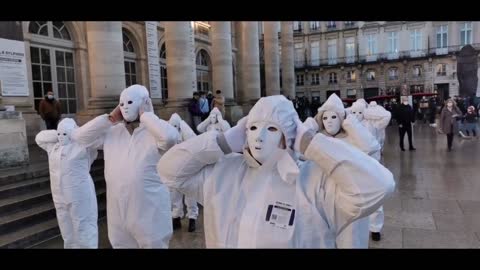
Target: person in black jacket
x=405, y=116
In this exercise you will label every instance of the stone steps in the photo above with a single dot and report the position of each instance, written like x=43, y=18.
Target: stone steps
x=27, y=211
x=39, y=232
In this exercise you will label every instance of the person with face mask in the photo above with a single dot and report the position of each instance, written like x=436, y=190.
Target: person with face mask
x=177, y=198
x=50, y=110
x=331, y=122
x=214, y=122
x=73, y=191
x=405, y=118
x=448, y=121
x=256, y=196
x=134, y=139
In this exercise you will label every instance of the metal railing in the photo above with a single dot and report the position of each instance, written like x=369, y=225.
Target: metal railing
x=361, y=59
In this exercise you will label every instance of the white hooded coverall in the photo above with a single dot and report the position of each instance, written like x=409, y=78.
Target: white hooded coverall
x=177, y=198
x=356, y=235
x=72, y=186
x=277, y=204
x=138, y=203
x=376, y=119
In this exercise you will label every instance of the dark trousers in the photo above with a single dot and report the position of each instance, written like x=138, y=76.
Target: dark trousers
x=51, y=123
x=449, y=140
x=401, y=132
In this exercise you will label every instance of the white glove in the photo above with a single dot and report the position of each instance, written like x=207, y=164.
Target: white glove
x=350, y=121
x=312, y=124
x=303, y=137
x=237, y=135
x=146, y=106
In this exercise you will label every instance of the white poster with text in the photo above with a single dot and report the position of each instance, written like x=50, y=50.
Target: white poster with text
x=153, y=60
x=13, y=68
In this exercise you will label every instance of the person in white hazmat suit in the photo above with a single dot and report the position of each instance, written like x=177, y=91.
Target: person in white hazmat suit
x=332, y=121
x=254, y=194
x=214, y=121
x=376, y=119
x=72, y=186
x=379, y=118
x=177, y=198
x=134, y=138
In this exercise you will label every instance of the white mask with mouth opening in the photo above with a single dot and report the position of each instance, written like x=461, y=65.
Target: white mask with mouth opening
x=130, y=101
x=64, y=131
x=263, y=140
x=331, y=122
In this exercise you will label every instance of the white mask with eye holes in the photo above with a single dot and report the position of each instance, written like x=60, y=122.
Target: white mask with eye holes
x=130, y=102
x=263, y=140
x=331, y=122
x=213, y=119
x=358, y=112
x=64, y=136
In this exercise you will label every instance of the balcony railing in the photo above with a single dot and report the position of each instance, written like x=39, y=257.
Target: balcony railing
x=331, y=27
x=402, y=55
x=349, y=24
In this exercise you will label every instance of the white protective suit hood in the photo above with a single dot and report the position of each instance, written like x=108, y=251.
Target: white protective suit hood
x=175, y=121
x=183, y=128
x=216, y=115
x=130, y=101
x=358, y=108
x=279, y=113
x=65, y=129
x=376, y=112
x=333, y=104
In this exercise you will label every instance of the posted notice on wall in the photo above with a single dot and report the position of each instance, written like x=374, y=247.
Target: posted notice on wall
x=13, y=68
x=153, y=60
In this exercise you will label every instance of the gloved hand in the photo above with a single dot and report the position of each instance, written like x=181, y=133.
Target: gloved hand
x=237, y=135
x=146, y=106
x=350, y=121
x=312, y=124
x=116, y=115
x=304, y=136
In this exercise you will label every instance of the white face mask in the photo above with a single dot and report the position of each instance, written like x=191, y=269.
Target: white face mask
x=263, y=140
x=358, y=113
x=213, y=119
x=331, y=122
x=130, y=106
x=405, y=103
x=63, y=136
x=50, y=96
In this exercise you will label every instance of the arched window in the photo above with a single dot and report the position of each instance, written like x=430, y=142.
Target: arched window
x=52, y=63
x=129, y=59
x=203, y=71
x=163, y=71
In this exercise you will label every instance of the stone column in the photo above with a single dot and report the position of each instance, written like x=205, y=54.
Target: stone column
x=181, y=73
x=250, y=62
x=105, y=57
x=222, y=58
x=288, y=68
x=272, y=61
